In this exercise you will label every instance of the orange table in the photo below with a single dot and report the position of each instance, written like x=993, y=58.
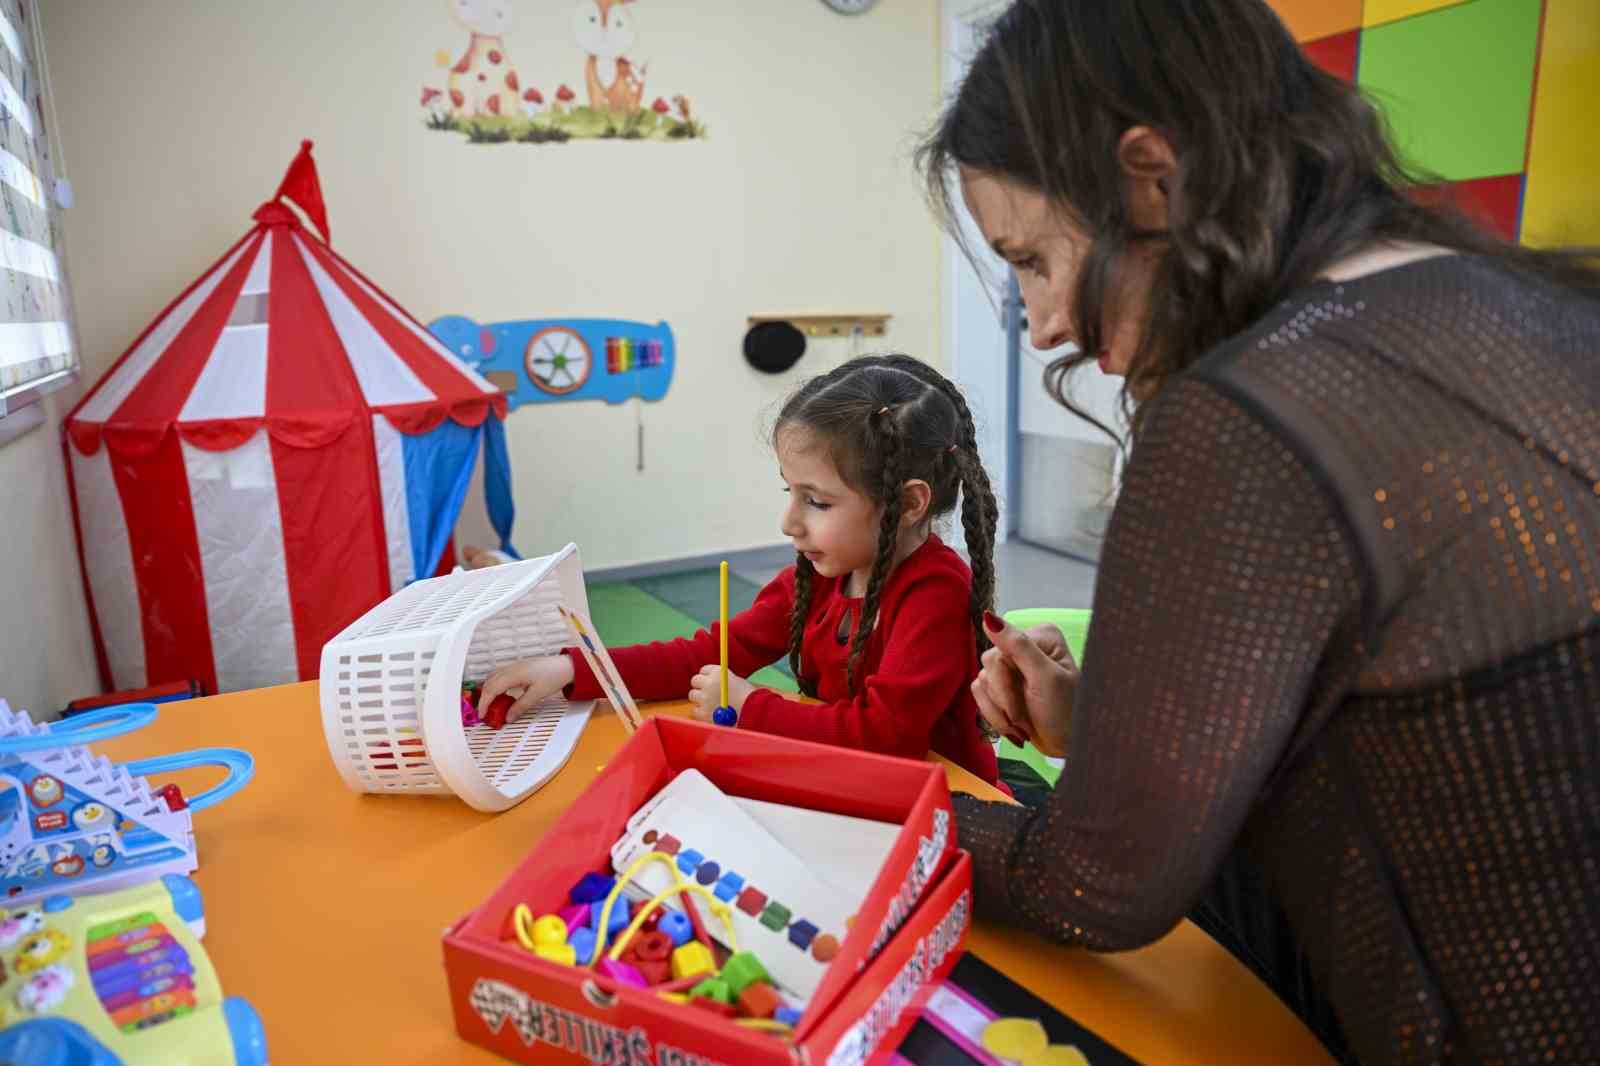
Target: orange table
x=325, y=907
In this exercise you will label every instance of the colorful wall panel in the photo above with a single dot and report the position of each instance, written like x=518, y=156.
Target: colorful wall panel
x=1496, y=98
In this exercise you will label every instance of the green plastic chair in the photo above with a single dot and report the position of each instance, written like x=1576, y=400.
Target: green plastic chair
x=1074, y=625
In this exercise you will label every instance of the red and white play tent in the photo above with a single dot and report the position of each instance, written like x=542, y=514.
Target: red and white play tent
x=281, y=449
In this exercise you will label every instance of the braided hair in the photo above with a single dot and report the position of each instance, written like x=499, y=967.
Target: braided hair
x=886, y=420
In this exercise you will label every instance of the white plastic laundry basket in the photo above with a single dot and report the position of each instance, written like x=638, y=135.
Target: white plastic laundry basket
x=391, y=684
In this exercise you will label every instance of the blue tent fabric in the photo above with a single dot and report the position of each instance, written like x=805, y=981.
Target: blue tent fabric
x=438, y=468
x=497, y=483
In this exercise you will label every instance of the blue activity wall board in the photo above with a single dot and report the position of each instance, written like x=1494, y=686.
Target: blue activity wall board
x=543, y=360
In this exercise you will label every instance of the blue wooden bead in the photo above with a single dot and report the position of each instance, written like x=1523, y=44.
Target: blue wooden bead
x=725, y=716
x=801, y=934
x=621, y=914
x=676, y=924
x=688, y=860
x=728, y=887
x=591, y=888
x=582, y=941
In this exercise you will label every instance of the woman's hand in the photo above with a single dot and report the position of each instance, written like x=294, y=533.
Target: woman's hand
x=705, y=692
x=1026, y=686
x=538, y=679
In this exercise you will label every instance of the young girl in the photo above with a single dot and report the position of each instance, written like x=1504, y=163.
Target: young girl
x=882, y=622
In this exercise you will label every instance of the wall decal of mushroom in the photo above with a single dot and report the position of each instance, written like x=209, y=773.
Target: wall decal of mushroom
x=483, y=82
x=485, y=98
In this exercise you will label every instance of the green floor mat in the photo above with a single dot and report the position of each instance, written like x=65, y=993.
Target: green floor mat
x=626, y=614
x=696, y=592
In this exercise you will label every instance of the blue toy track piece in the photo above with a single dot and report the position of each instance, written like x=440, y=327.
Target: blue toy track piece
x=84, y=728
x=239, y=764
x=725, y=716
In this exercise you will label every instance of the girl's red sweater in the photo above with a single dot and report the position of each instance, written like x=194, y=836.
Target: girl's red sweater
x=918, y=664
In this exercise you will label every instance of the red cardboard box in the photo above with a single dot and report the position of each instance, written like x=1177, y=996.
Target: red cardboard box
x=906, y=936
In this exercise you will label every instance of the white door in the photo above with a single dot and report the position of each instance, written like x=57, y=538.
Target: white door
x=1054, y=473
x=974, y=292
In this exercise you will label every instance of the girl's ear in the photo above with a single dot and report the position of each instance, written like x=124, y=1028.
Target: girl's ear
x=916, y=496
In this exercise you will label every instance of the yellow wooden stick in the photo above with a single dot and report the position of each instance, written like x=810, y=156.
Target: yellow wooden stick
x=724, y=634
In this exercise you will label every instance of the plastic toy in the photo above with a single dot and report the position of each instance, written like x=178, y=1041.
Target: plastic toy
x=610, y=678
x=692, y=958
x=545, y=360
x=119, y=978
x=743, y=970
x=712, y=988
x=724, y=714
x=678, y=927
x=392, y=684
x=71, y=822
x=759, y=1000
x=593, y=888
x=641, y=956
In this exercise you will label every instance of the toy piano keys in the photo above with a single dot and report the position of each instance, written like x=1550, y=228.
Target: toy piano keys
x=72, y=822
x=119, y=978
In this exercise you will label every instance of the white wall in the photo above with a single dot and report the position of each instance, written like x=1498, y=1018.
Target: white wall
x=179, y=117
x=46, y=657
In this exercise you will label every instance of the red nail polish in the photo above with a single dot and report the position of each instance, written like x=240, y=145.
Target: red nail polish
x=992, y=622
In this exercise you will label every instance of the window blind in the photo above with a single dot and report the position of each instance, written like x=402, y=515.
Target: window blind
x=37, y=352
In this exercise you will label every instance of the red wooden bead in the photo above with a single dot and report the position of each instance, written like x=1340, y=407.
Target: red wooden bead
x=758, y=1000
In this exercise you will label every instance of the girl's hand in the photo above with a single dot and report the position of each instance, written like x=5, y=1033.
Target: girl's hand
x=705, y=692
x=538, y=679
x=1027, y=684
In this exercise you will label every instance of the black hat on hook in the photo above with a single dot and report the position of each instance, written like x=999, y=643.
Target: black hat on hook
x=773, y=347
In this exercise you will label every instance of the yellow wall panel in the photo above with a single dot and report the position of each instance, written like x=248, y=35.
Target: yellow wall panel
x=1377, y=12
x=1561, y=204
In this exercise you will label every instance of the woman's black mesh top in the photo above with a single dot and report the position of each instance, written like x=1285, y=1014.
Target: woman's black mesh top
x=1348, y=617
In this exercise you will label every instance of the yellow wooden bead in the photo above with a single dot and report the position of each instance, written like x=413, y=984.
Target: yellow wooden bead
x=694, y=957
x=565, y=954
x=549, y=930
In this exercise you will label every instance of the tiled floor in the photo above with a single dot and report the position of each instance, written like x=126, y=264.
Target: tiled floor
x=1026, y=576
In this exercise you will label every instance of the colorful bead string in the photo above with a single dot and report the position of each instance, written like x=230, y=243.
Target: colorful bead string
x=747, y=898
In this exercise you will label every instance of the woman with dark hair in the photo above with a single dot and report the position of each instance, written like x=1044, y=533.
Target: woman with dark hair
x=1341, y=695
